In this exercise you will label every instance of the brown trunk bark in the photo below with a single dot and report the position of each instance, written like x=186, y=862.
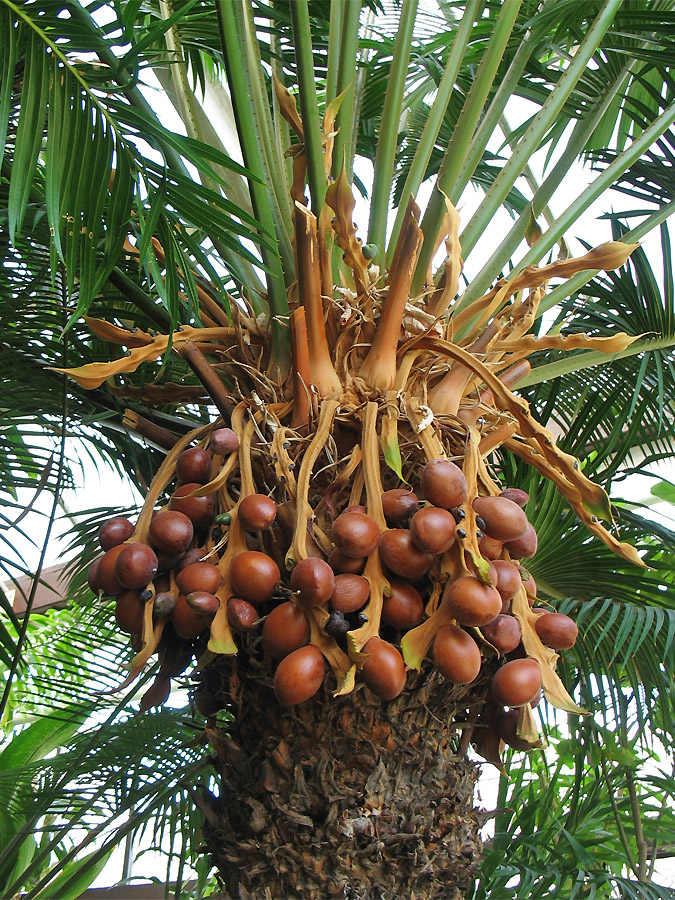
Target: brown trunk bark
x=346, y=797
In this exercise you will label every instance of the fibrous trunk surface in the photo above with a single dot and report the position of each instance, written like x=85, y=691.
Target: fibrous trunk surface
x=345, y=797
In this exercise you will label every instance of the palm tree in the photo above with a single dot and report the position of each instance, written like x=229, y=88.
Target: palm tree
x=150, y=274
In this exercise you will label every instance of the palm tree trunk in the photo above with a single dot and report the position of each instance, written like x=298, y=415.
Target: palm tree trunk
x=344, y=797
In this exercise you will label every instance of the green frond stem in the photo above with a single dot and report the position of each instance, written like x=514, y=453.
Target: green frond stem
x=590, y=358
x=527, y=173
x=244, y=69
x=607, y=177
x=260, y=198
x=389, y=127
x=581, y=132
x=461, y=138
x=538, y=128
x=282, y=131
x=139, y=298
x=434, y=121
x=334, y=45
x=349, y=42
x=490, y=120
x=309, y=109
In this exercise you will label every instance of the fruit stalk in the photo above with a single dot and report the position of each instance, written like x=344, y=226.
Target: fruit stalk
x=209, y=378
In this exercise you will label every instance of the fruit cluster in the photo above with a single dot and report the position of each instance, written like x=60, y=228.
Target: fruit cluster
x=407, y=584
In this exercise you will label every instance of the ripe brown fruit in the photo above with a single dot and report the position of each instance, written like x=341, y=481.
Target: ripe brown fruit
x=489, y=547
x=129, y=609
x=556, y=631
x=171, y=532
x=254, y=576
x=223, y=442
x=187, y=622
x=314, y=581
x=398, y=505
x=203, y=602
x=163, y=605
x=105, y=574
x=350, y=592
x=472, y=602
x=456, y=655
x=346, y=565
x=509, y=581
x=525, y=545
x=136, y=566
x=507, y=727
x=200, y=510
x=516, y=495
x=432, y=529
x=402, y=557
x=299, y=675
x=200, y=576
x=443, y=484
x=504, y=520
x=503, y=633
x=355, y=534
x=257, y=512
x=404, y=608
x=384, y=670
x=92, y=575
x=517, y=682
x=241, y=615
x=114, y=532
x=285, y=629
x=194, y=465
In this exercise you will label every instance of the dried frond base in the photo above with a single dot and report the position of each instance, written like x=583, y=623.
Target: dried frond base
x=346, y=797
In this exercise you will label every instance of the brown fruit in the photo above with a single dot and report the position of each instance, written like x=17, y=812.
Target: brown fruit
x=163, y=605
x=443, y=483
x=350, y=593
x=136, y=566
x=472, y=602
x=256, y=512
x=285, y=629
x=384, y=670
x=556, y=631
x=203, y=602
x=241, y=615
x=490, y=548
x=200, y=510
x=129, y=609
x=456, y=655
x=405, y=608
x=503, y=633
x=516, y=496
x=507, y=727
x=398, y=505
x=254, y=576
x=187, y=622
x=200, y=576
x=92, y=575
x=345, y=565
x=314, y=581
x=194, y=466
x=355, y=534
x=299, y=675
x=114, y=532
x=107, y=580
x=402, y=557
x=194, y=555
x=517, y=682
x=509, y=581
x=525, y=545
x=432, y=529
x=504, y=520
x=529, y=584
x=156, y=695
x=223, y=442
x=171, y=532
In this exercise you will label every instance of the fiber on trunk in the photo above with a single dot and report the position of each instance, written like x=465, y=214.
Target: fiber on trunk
x=345, y=797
